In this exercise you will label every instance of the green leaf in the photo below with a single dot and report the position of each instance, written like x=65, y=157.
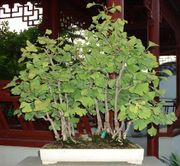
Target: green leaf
x=140, y=124
x=12, y=83
x=41, y=105
x=31, y=47
x=16, y=90
x=168, y=72
x=156, y=83
x=122, y=114
x=74, y=120
x=100, y=96
x=140, y=89
x=151, y=95
x=29, y=116
x=156, y=110
x=41, y=40
x=118, y=8
x=67, y=88
x=79, y=111
x=32, y=74
x=48, y=32
x=171, y=118
x=144, y=113
x=35, y=84
x=61, y=106
x=152, y=131
x=64, y=76
x=152, y=44
x=112, y=10
x=26, y=107
x=111, y=83
x=89, y=5
x=86, y=101
x=133, y=108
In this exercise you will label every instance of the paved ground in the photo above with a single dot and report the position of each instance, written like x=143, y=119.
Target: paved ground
x=35, y=161
x=11, y=155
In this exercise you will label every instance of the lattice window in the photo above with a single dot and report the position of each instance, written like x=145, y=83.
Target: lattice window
x=30, y=13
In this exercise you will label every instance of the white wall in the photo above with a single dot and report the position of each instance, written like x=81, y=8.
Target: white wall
x=170, y=87
x=168, y=145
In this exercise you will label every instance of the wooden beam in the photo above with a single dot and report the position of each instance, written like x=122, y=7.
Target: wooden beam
x=153, y=35
x=51, y=17
x=3, y=121
x=169, y=15
x=55, y=18
x=26, y=134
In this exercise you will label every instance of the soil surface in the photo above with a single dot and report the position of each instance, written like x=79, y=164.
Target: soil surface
x=93, y=142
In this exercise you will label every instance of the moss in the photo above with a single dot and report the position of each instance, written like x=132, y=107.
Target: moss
x=96, y=142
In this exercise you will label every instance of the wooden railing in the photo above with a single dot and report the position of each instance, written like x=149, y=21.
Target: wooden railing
x=174, y=129
x=17, y=131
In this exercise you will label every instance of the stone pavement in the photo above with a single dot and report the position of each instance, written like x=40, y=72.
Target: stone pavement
x=35, y=161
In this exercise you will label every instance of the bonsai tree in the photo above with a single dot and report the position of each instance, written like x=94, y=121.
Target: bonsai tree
x=133, y=91
x=65, y=80
x=47, y=86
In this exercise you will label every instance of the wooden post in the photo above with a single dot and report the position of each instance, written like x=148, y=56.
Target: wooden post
x=3, y=121
x=153, y=35
x=55, y=18
x=117, y=2
x=46, y=18
x=51, y=17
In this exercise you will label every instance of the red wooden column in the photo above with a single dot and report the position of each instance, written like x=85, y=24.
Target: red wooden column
x=51, y=16
x=153, y=35
x=55, y=18
x=117, y=2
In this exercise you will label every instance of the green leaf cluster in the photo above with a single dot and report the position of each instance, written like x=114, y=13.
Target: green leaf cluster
x=11, y=43
x=70, y=80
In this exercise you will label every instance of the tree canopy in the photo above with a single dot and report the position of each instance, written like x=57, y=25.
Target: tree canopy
x=11, y=43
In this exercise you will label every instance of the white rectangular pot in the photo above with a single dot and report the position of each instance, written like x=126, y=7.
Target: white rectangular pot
x=52, y=156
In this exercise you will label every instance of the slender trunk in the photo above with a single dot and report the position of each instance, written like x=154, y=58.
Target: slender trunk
x=59, y=91
x=64, y=123
x=119, y=133
x=64, y=127
x=99, y=120
x=116, y=123
x=64, y=132
x=127, y=130
x=69, y=129
x=107, y=126
x=57, y=136
x=72, y=129
x=117, y=91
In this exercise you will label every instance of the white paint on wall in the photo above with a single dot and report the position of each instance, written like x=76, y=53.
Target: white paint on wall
x=168, y=145
x=170, y=87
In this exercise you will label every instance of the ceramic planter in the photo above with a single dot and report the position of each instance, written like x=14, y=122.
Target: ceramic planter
x=52, y=156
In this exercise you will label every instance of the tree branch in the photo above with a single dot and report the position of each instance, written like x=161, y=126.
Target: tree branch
x=117, y=87
x=99, y=120
x=53, y=127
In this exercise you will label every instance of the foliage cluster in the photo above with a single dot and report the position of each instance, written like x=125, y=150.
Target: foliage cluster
x=11, y=43
x=172, y=160
x=63, y=81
